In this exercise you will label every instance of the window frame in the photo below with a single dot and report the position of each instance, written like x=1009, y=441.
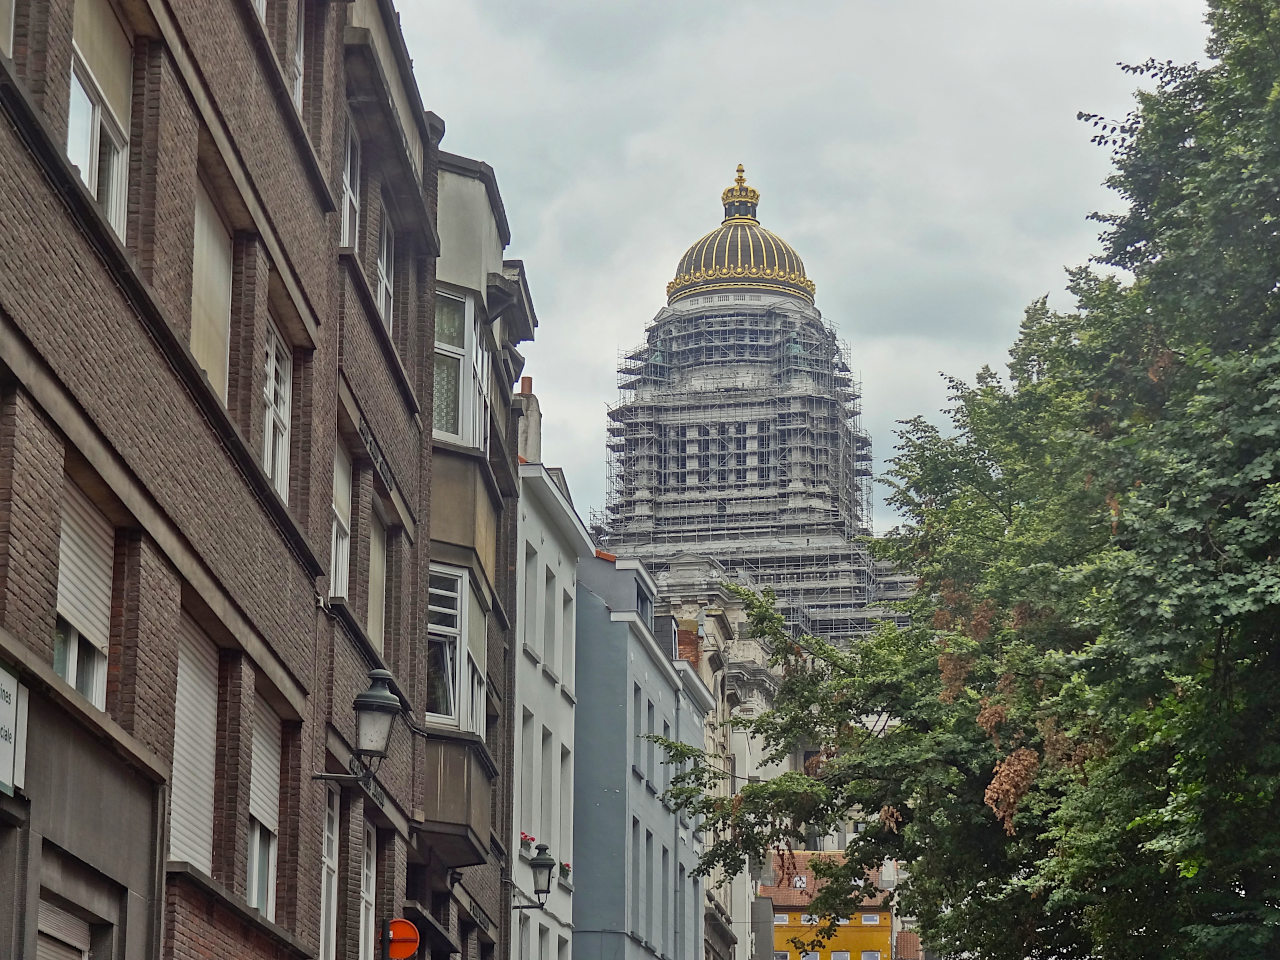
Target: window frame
x=330, y=842
x=350, y=230
x=470, y=679
x=379, y=541
x=261, y=876
x=369, y=892
x=385, y=269
x=278, y=413
x=102, y=120
x=73, y=648
x=340, y=536
x=475, y=376
x=298, y=67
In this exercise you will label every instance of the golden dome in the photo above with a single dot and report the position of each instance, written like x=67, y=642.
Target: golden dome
x=740, y=254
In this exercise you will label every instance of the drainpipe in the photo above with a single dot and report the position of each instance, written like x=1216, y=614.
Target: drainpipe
x=675, y=837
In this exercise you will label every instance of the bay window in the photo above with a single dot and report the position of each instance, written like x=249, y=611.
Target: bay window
x=463, y=372
x=277, y=388
x=340, y=545
x=98, y=110
x=457, y=628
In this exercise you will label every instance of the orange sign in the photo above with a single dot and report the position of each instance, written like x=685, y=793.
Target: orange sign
x=402, y=939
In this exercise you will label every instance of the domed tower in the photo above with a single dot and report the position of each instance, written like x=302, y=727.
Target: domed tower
x=738, y=434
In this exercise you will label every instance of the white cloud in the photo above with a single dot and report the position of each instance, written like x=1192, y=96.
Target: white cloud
x=922, y=156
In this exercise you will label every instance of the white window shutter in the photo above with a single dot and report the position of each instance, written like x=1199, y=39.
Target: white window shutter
x=195, y=743
x=86, y=555
x=264, y=770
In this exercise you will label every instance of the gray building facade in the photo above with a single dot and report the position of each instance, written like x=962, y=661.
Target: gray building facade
x=635, y=896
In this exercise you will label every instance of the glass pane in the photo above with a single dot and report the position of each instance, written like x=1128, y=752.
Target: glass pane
x=87, y=658
x=440, y=676
x=80, y=131
x=110, y=180
x=445, y=405
x=63, y=643
x=451, y=318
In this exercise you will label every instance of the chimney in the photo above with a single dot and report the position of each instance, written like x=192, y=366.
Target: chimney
x=529, y=439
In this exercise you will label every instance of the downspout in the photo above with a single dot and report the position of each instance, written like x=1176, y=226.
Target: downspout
x=675, y=841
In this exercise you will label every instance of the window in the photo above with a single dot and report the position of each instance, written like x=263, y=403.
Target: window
x=566, y=801
x=351, y=188
x=649, y=745
x=461, y=402
x=298, y=67
x=277, y=388
x=528, y=771
x=870, y=919
x=549, y=821
x=264, y=810
x=86, y=556
x=549, y=597
x=261, y=7
x=195, y=730
x=211, y=291
x=444, y=627
x=567, y=631
x=60, y=935
x=799, y=881
x=456, y=691
x=666, y=766
x=635, y=876
x=637, y=730
x=682, y=912
x=340, y=548
x=644, y=605
x=666, y=901
x=870, y=955
x=98, y=114
x=375, y=621
x=530, y=610
x=524, y=937
x=384, y=291
x=779, y=918
x=368, y=893
x=839, y=955
x=6, y=27
x=451, y=351
x=329, y=876
x=649, y=912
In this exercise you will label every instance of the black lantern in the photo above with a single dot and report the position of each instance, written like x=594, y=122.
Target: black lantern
x=376, y=712
x=542, y=864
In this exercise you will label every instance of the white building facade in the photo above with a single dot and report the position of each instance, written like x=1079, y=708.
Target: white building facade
x=550, y=541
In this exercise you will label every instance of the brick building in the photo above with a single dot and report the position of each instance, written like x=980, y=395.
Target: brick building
x=217, y=358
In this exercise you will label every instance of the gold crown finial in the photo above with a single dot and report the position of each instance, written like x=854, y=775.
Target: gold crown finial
x=739, y=199
x=741, y=178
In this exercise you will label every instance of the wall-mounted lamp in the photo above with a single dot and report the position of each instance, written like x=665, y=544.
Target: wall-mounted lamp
x=376, y=712
x=542, y=864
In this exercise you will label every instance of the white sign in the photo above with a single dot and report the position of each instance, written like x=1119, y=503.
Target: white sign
x=13, y=731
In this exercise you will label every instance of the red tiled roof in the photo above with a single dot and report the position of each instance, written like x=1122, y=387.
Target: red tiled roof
x=788, y=867
x=908, y=945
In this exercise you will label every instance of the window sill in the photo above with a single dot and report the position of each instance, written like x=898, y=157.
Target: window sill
x=648, y=785
x=550, y=674
x=531, y=653
x=565, y=883
x=637, y=772
x=568, y=695
x=176, y=869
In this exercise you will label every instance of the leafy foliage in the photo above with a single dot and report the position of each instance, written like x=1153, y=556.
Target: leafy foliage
x=1076, y=747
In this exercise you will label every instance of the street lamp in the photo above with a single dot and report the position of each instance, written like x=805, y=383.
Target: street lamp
x=376, y=712
x=542, y=864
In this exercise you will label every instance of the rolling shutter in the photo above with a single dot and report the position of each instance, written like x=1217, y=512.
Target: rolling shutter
x=86, y=554
x=195, y=738
x=60, y=935
x=264, y=770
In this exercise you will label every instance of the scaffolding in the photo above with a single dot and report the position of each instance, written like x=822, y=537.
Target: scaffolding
x=738, y=435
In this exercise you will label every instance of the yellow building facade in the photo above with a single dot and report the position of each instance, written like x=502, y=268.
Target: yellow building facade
x=867, y=935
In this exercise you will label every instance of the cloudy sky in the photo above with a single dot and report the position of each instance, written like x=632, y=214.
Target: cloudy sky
x=922, y=156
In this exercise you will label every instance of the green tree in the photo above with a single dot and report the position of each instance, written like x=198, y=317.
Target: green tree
x=1076, y=746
